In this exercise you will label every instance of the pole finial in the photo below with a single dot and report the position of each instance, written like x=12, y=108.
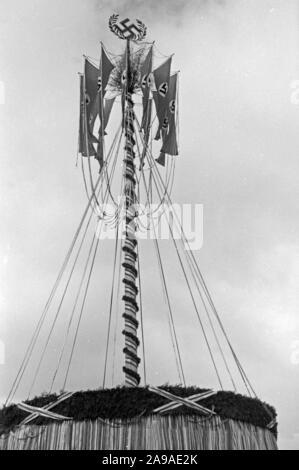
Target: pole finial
x=127, y=30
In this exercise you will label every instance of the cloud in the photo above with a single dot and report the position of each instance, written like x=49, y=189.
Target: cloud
x=169, y=12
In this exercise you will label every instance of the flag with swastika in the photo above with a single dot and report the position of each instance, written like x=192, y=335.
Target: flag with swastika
x=86, y=147
x=170, y=140
x=161, y=76
x=108, y=104
x=145, y=82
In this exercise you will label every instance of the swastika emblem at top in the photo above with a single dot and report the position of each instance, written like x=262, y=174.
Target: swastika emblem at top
x=126, y=29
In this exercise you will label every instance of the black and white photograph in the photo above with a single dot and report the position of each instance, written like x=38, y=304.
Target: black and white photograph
x=149, y=235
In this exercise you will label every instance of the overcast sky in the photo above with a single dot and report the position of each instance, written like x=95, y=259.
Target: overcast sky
x=239, y=143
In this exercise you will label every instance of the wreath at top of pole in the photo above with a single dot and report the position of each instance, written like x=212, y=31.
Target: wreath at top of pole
x=124, y=30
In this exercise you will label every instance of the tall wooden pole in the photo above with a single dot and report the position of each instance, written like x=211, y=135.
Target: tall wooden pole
x=130, y=368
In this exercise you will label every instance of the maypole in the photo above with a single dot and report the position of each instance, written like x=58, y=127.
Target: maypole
x=210, y=419
x=132, y=378
x=135, y=32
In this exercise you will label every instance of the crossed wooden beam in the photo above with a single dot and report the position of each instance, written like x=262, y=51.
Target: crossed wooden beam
x=176, y=402
x=272, y=423
x=35, y=411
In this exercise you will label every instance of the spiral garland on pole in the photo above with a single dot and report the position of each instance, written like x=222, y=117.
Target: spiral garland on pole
x=130, y=369
x=132, y=378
